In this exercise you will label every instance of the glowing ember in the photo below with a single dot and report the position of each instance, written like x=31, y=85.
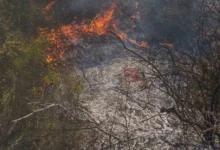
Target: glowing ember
x=49, y=59
x=57, y=45
x=167, y=44
x=137, y=4
x=133, y=16
x=49, y=6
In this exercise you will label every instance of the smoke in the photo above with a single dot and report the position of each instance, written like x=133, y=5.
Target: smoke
x=167, y=20
x=157, y=20
x=69, y=10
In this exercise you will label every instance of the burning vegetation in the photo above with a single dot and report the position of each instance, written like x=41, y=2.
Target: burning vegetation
x=102, y=24
x=86, y=74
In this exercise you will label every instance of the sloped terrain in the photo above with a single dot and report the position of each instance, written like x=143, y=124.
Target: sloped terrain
x=126, y=111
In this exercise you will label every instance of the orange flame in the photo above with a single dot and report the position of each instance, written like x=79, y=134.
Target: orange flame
x=49, y=59
x=133, y=16
x=123, y=36
x=137, y=5
x=167, y=44
x=57, y=46
x=99, y=25
x=49, y=6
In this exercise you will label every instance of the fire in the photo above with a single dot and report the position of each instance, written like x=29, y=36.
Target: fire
x=123, y=36
x=49, y=59
x=133, y=16
x=167, y=44
x=137, y=5
x=50, y=5
x=57, y=48
x=99, y=25
x=75, y=32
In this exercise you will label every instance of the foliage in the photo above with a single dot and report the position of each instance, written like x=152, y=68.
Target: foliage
x=28, y=83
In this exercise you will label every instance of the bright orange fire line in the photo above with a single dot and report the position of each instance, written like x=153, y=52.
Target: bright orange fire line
x=99, y=25
x=125, y=37
x=167, y=44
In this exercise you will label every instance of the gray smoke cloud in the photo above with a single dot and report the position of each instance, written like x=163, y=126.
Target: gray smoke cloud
x=158, y=20
x=67, y=10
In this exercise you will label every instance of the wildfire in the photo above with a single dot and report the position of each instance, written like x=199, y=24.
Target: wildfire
x=56, y=50
x=50, y=59
x=133, y=16
x=50, y=5
x=75, y=32
x=167, y=44
x=99, y=25
x=124, y=36
x=137, y=5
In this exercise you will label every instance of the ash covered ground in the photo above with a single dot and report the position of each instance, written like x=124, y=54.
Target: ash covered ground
x=128, y=114
x=126, y=111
